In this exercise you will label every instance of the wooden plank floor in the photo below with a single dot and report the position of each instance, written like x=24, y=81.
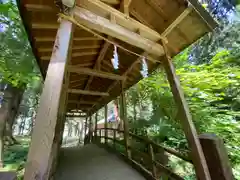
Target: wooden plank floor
x=93, y=163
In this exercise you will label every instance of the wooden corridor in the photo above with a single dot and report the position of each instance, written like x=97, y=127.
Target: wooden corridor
x=93, y=163
x=74, y=45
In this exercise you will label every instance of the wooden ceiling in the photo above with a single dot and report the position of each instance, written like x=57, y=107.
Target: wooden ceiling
x=93, y=80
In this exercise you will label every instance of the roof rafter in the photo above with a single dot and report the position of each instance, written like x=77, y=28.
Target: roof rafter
x=94, y=72
x=82, y=102
x=73, y=48
x=46, y=39
x=85, y=92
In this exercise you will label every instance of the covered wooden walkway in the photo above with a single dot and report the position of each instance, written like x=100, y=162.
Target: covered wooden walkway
x=91, y=162
x=90, y=52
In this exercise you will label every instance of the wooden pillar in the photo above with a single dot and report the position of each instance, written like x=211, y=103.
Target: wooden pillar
x=85, y=130
x=186, y=119
x=57, y=142
x=106, y=123
x=216, y=157
x=96, y=126
x=47, y=115
x=123, y=117
x=90, y=129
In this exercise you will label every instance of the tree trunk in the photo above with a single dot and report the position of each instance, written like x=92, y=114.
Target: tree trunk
x=17, y=94
x=5, y=109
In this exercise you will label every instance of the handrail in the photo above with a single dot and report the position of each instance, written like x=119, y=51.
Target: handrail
x=150, y=155
x=148, y=141
x=171, y=151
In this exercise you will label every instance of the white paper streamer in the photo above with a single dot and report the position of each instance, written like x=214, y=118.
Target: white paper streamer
x=115, y=61
x=144, y=70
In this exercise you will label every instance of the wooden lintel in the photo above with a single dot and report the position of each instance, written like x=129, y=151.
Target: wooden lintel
x=112, y=2
x=106, y=11
x=85, y=92
x=84, y=54
x=76, y=116
x=46, y=39
x=94, y=72
x=40, y=7
x=81, y=102
x=103, y=25
x=73, y=48
x=44, y=26
x=84, y=64
x=46, y=58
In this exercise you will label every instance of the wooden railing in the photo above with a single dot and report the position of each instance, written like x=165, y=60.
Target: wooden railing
x=146, y=158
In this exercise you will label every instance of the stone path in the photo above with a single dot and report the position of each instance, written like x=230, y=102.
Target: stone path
x=93, y=163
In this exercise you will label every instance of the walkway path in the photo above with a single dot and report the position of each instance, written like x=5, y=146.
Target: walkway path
x=93, y=163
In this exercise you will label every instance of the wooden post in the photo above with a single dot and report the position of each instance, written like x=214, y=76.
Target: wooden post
x=151, y=153
x=114, y=139
x=186, y=119
x=42, y=137
x=95, y=130
x=105, y=123
x=90, y=129
x=123, y=114
x=216, y=157
x=57, y=142
x=85, y=131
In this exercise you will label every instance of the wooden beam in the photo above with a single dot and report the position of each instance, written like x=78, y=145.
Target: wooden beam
x=98, y=62
x=125, y=6
x=142, y=20
x=93, y=72
x=81, y=102
x=47, y=39
x=103, y=25
x=84, y=54
x=85, y=92
x=84, y=64
x=73, y=48
x=40, y=7
x=211, y=23
x=46, y=58
x=76, y=116
x=121, y=19
x=112, y=2
x=186, y=119
x=37, y=162
x=177, y=21
x=44, y=26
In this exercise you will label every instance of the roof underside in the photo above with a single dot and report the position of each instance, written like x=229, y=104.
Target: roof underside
x=40, y=19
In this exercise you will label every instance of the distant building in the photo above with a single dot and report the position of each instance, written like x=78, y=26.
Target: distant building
x=113, y=117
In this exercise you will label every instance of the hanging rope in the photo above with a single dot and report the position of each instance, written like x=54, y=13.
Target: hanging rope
x=69, y=18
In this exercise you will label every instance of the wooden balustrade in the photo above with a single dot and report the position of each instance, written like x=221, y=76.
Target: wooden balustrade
x=141, y=158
